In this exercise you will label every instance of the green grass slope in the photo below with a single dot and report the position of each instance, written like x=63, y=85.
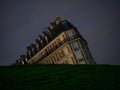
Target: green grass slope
x=60, y=77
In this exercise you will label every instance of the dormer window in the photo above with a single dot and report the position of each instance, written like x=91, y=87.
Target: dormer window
x=51, y=26
x=26, y=59
x=57, y=21
x=69, y=33
x=65, y=25
x=49, y=34
x=46, y=38
x=41, y=41
x=43, y=35
x=37, y=46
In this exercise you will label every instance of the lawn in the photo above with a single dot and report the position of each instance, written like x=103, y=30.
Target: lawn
x=60, y=77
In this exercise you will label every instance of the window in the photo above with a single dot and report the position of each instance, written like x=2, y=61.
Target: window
x=79, y=57
x=30, y=53
x=68, y=49
x=57, y=57
x=57, y=21
x=49, y=61
x=50, y=48
x=72, y=60
x=51, y=26
x=65, y=25
x=75, y=46
x=52, y=61
x=61, y=54
x=33, y=50
x=63, y=37
x=54, y=58
x=81, y=61
x=26, y=59
x=69, y=33
x=37, y=46
x=58, y=41
x=41, y=54
x=41, y=42
x=46, y=38
x=47, y=50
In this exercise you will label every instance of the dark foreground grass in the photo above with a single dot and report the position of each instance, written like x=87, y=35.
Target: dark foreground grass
x=60, y=77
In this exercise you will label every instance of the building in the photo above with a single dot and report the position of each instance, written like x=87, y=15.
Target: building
x=61, y=43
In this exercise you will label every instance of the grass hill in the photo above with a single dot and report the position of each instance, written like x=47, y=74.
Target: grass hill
x=60, y=77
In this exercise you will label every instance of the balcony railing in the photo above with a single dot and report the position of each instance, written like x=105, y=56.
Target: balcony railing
x=57, y=46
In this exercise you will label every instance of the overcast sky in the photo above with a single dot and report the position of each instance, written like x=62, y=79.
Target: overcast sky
x=21, y=21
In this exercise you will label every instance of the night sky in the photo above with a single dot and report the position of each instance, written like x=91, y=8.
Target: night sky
x=21, y=21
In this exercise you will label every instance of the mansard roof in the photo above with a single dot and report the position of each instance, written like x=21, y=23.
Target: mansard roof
x=56, y=27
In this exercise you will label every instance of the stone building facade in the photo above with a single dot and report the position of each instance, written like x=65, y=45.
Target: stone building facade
x=61, y=43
